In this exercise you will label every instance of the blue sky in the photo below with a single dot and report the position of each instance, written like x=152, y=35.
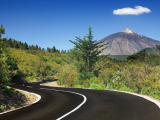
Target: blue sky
x=49, y=23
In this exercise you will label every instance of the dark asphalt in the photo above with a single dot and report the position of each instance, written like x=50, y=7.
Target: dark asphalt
x=100, y=105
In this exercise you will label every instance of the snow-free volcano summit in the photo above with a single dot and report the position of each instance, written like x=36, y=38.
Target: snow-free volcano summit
x=126, y=42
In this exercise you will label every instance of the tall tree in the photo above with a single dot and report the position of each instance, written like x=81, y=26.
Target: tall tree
x=142, y=56
x=6, y=42
x=62, y=51
x=33, y=47
x=39, y=48
x=58, y=50
x=2, y=41
x=3, y=64
x=2, y=30
x=53, y=49
x=20, y=45
x=10, y=43
x=29, y=47
x=16, y=45
x=158, y=49
x=43, y=49
x=87, y=52
x=48, y=49
x=26, y=46
x=36, y=47
x=3, y=47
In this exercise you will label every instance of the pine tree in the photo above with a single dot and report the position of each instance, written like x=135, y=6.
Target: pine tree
x=62, y=51
x=26, y=46
x=39, y=48
x=48, y=49
x=158, y=49
x=33, y=47
x=43, y=49
x=29, y=47
x=2, y=30
x=142, y=55
x=16, y=45
x=36, y=47
x=86, y=54
x=20, y=45
x=53, y=49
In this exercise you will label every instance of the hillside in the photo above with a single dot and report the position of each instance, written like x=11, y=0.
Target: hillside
x=35, y=63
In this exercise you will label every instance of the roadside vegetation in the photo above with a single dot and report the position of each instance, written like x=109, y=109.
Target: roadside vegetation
x=20, y=63
x=139, y=74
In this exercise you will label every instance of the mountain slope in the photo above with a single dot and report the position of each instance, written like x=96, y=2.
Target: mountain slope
x=126, y=42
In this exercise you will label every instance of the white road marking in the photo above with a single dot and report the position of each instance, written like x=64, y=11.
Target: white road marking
x=85, y=99
x=30, y=86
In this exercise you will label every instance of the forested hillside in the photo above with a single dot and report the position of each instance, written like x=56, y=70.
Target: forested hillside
x=22, y=60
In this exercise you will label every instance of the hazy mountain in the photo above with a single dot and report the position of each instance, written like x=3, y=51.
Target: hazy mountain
x=126, y=42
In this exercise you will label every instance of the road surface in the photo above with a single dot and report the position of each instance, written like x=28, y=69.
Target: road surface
x=58, y=103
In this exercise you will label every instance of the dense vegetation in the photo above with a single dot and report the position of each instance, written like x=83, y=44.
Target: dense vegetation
x=138, y=74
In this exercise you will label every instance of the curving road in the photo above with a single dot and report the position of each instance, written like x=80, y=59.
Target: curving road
x=58, y=103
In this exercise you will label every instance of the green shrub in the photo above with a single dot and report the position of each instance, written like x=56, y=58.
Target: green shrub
x=133, y=57
x=64, y=85
x=109, y=87
x=124, y=88
x=14, y=91
x=145, y=91
x=58, y=61
x=155, y=94
x=94, y=79
x=96, y=86
x=2, y=107
x=30, y=77
x=87, y=83
x=4, y=88
x=79, y=86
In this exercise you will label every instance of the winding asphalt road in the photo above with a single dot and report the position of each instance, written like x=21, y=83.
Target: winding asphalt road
x=58, y=103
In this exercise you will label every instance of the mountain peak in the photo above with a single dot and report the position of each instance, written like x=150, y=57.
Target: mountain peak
x=127, y=30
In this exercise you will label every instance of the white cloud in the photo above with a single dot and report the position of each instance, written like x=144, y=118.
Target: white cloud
x=126, y=11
